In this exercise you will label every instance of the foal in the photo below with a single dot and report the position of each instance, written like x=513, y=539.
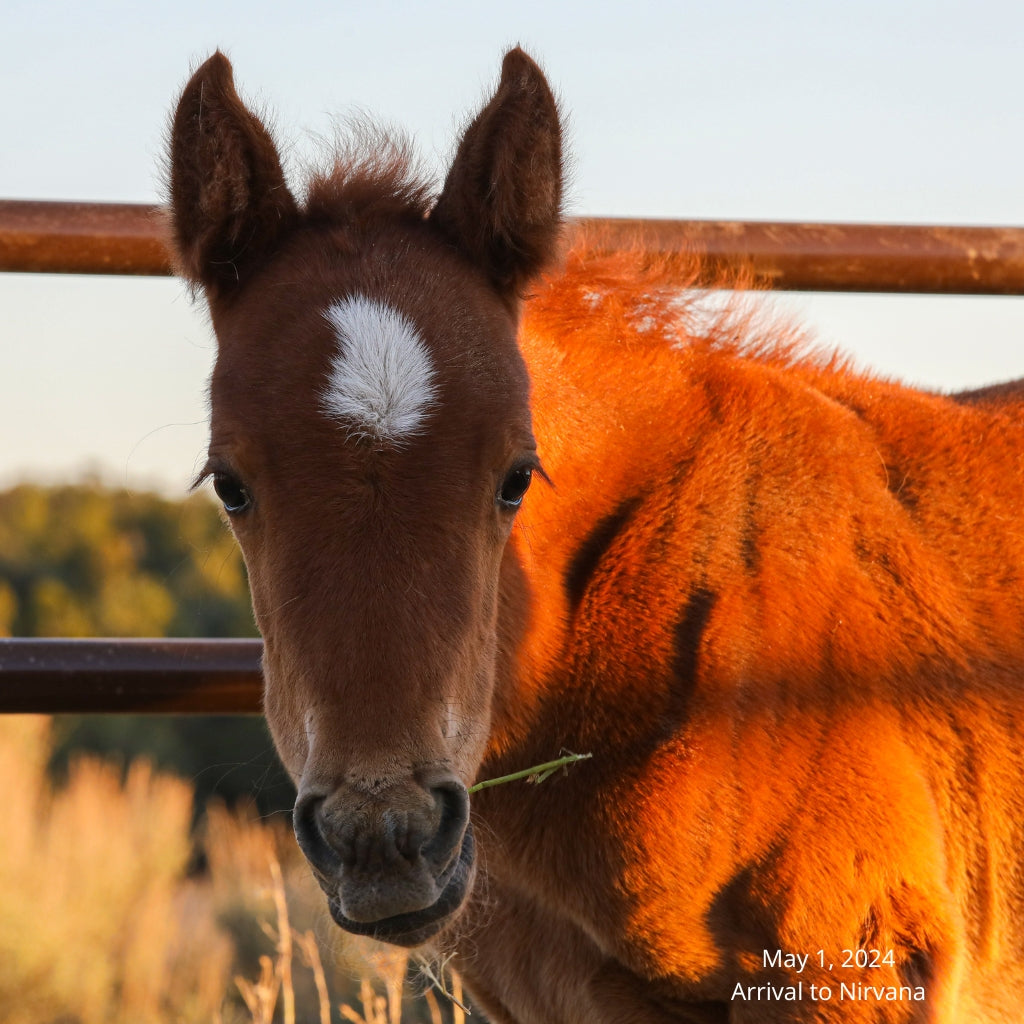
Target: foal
x=780, y=603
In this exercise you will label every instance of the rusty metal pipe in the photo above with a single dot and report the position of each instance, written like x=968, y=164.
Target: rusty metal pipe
x=122, y=676
x=121, y=238
x=841, y=257
x=82, y=238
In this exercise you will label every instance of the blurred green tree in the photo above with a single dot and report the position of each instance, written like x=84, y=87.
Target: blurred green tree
x=85, y=560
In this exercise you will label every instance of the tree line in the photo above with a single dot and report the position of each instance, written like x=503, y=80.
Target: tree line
x=85, y=560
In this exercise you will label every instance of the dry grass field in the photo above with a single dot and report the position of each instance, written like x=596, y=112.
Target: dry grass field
x=105, y=917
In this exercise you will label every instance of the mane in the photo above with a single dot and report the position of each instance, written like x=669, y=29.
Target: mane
x=630, y=297
x=372, y=172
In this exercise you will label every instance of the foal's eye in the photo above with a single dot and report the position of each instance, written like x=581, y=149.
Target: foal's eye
x=514, y=486
x=232, y=493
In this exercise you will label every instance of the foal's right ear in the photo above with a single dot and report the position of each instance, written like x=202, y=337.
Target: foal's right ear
x=228, y=197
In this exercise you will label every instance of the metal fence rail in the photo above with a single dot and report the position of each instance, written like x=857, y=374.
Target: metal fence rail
x=210, y=676
x=121, y=676
x=122, y=238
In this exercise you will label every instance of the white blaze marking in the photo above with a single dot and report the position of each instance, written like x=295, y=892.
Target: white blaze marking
x=381, y=381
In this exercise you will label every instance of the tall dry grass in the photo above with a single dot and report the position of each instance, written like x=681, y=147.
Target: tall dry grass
x=101, y=922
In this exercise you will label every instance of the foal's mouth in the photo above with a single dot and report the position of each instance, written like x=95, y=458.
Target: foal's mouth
x=418, y=926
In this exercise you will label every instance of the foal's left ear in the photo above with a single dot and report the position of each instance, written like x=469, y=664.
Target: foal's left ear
x=229, y=200
x=501, y=202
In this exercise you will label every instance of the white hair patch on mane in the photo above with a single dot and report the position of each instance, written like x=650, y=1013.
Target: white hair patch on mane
x=381, y=381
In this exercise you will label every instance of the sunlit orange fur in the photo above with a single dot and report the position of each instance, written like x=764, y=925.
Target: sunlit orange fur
x=780, y=602
x=847, y=769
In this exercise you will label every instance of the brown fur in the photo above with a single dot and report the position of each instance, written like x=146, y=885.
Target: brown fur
x=780, y=603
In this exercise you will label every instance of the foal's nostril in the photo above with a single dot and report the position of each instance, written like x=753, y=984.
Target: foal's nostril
x=443, y=847
x=421, y=825
x=305, y=820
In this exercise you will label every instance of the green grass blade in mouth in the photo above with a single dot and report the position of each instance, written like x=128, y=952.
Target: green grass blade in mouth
x=538, y=773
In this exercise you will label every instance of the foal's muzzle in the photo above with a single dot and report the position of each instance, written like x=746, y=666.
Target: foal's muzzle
x=396, y=862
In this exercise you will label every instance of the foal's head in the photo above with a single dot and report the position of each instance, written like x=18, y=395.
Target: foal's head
x=371, y=443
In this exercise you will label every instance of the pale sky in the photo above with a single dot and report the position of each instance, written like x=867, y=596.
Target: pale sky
x=872, y=111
